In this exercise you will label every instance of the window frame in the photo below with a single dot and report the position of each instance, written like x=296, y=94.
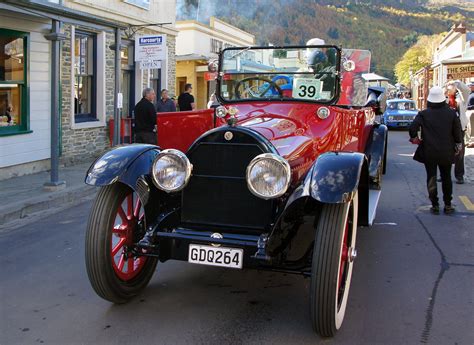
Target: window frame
x=92, y=115
x=24, y=126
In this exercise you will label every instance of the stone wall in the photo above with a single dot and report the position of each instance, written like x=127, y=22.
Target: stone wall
x=171, y=43
x=85, y=143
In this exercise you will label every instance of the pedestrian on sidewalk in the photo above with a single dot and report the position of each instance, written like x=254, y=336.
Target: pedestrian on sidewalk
x=165, y=104
x=145, y=118
x=470, y=115
x=186, y=100
x=441, y=138
x=458, y=94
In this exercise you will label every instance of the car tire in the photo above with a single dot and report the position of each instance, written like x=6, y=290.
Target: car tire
x=115, y=223
x=332, y=265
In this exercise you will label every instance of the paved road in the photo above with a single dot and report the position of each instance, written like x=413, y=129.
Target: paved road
x=413, y=283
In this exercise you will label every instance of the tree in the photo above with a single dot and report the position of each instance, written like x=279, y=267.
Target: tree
x=417, y=57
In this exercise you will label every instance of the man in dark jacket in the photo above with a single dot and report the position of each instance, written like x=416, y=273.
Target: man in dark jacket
x=165, y=104
x=186, y=100
x=441, y=137
x=145, y=118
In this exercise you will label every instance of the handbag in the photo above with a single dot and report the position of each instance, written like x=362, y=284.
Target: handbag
x=419, y=155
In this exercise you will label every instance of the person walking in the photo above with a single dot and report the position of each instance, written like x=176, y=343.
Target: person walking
x=458, y=94
x=165, y=104
x=441, y=138
x=186, y=100
x=145, y=118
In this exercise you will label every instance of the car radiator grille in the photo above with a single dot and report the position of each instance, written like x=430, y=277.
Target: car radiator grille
x=217, y=193
x=403, y=117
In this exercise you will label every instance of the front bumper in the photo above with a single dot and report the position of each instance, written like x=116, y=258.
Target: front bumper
x=400, y=123
x=175, y=245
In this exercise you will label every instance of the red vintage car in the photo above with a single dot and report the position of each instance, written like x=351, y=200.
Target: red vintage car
x=278, y=177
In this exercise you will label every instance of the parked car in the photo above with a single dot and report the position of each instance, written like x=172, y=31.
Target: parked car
x=279, y=177
x=399, y=113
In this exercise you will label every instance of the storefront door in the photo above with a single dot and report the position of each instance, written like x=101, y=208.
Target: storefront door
x=127, y=79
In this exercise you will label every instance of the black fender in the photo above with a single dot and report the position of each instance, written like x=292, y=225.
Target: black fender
x=124, y=164
x=335, y=177
x=376, y=152
x=132, y=165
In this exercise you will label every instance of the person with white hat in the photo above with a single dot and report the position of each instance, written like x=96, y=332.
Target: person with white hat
x=441, y=139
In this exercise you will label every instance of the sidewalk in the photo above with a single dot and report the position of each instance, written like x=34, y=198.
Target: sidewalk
x=23, y=198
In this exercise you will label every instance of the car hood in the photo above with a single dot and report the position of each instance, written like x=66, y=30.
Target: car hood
x=286, y=127
x=402, y=112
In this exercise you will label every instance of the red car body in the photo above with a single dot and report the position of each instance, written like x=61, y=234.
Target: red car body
x=293, y=128
x=330, y=156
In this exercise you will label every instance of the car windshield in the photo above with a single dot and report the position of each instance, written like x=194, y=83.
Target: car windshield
x=401, y=106
x=301, y=73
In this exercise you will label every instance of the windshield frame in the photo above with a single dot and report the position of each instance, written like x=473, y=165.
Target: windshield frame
x=331, y=101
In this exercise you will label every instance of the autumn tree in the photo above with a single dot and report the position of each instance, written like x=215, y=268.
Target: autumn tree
x=416, y=57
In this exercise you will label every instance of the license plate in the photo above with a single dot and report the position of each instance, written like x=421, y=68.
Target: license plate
x=215, y=256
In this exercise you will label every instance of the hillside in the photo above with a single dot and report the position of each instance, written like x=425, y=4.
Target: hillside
x=386, y=27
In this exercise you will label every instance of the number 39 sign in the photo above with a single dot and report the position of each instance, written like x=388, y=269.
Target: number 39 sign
x=307, y=88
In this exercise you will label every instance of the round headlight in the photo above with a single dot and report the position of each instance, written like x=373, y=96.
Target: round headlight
x=390, y=118
x=171, y=170
x=268, y=176
x=221, y=111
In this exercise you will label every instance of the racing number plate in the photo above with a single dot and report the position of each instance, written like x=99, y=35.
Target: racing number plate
x=307, y=88
x=215, y=256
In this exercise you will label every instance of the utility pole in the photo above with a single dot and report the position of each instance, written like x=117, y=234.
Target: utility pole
x=117, y=119
x=55, y=36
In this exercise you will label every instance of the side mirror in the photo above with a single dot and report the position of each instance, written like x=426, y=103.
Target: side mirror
x=213, y=66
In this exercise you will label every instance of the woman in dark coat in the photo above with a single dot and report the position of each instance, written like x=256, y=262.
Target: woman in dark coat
x=441, y=137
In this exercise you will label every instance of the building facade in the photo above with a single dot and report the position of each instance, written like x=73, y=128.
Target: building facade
x=453, y=59
x=196, y=45
x=87, y=75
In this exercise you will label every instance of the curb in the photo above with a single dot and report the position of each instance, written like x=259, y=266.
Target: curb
x=53, y=200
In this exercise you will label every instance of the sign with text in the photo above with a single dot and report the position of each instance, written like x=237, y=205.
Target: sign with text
x=150, y=48
x=460, y=71
x=208, y=76
x=150, y=64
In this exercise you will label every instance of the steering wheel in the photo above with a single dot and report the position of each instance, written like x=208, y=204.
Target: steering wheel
x=254, y=91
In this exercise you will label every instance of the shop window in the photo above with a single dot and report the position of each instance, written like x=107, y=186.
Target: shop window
x=14, y=115
x=85, y=72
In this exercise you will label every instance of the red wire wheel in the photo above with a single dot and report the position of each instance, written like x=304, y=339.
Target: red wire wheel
x=129, y=214
x=333, y=260
x=117, y=221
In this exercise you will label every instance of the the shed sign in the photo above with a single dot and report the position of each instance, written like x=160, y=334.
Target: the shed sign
x=150, y=48
x=460, y=71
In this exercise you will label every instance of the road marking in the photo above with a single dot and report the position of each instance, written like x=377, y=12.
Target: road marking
x=467, y=203
x=394, y=224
